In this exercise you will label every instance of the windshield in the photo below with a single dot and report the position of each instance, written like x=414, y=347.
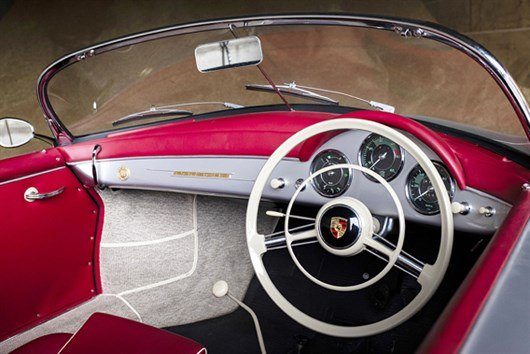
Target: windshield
x=415, y=76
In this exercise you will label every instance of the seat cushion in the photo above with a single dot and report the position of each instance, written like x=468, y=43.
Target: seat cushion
x=49, y=344
x=104, y=333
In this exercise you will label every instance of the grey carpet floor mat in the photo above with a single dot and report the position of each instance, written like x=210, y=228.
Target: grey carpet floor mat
x=160, y=255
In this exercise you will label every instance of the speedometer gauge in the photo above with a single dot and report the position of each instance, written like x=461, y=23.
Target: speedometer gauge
x=381, y=155
x=420, y=191
x=334, y=182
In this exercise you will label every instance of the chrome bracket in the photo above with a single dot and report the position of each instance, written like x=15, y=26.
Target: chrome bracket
x=95, y=152
x=85, y=55
x=408, y=32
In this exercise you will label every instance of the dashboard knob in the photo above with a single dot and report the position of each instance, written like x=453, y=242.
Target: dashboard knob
x=277, y=183
x=460, y=208
x=487, y=211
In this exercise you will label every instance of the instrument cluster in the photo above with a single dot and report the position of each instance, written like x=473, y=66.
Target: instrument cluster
x=386, y=158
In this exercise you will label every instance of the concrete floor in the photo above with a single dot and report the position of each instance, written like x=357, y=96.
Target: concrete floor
x=35, y=32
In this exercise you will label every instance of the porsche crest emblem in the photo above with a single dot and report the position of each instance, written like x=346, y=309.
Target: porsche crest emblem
x=124, y=173
x=338, y=226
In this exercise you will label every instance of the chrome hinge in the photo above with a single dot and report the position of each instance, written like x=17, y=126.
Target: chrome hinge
x=408, y=32
x=85, y=55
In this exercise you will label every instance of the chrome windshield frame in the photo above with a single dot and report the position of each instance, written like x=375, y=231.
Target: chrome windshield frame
x=403, y=27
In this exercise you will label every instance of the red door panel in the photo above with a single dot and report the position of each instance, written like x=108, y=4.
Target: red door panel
x=46, y=246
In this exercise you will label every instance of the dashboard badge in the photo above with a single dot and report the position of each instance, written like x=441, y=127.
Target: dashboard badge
x=338, y=226
x=124, y=173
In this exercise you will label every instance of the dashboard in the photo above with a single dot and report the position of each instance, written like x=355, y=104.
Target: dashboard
x=233, y=176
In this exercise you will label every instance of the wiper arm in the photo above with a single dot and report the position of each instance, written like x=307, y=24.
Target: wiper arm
x=293, y=90
x=153, y=112
x=307, y=92
x=168, y=111
x=381, y=106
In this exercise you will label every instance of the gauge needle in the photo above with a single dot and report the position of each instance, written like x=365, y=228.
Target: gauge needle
x=381, y=157
x=422, y=194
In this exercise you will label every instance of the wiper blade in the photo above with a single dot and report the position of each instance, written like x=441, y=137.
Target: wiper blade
x=169, y=111
x=381, y=106
x=151, y=113
x=293, y=90
x=226, y=104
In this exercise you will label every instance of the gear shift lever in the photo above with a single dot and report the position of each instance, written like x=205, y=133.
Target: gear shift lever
x=220, y=289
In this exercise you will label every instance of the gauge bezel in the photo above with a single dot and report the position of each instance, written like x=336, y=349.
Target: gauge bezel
x=359, y=159
x=313, y=181
x=451, y=191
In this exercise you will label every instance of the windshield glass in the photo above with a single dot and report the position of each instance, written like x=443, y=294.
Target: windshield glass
x=417, y=76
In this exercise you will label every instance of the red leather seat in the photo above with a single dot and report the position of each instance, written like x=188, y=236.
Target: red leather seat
x=104, y=333
x=49, y=344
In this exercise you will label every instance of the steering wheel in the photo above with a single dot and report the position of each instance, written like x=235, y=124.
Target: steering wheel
x=350, y=218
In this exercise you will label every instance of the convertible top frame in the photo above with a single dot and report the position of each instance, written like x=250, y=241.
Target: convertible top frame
x=403, y=27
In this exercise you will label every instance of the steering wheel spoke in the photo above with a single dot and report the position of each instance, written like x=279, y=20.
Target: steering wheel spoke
x=303, y=235
x=405, y=262
x=380, y=247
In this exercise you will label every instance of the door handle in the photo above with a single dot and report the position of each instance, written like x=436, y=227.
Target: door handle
x=32, y=194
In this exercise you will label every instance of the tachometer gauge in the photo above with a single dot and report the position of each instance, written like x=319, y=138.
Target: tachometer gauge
x=334, y=182
x=381, y=155
x=420, y=191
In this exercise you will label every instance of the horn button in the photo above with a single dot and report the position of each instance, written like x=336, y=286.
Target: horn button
x=342, y=224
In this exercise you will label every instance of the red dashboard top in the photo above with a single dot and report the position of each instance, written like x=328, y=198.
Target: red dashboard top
x=259, y=134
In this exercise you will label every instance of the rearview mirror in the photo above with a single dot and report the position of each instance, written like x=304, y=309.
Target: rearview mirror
x=15, y=132
x=228, y=54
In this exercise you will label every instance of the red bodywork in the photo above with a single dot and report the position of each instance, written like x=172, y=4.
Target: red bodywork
x=71, y=275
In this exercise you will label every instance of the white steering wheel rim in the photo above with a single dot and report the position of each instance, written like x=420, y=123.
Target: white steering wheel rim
x=429, y=278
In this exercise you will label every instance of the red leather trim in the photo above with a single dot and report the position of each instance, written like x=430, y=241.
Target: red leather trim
x=104, y=333
x=49, y=344
x=256, y=134
x=29, y=164
x=488, y=171
x=45, y=246
x=259, y=134
x=452, y=329
x=97, y=237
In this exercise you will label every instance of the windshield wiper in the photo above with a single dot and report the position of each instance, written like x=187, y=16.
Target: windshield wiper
x=306, y=92
x=168, y=111
x=293, y=90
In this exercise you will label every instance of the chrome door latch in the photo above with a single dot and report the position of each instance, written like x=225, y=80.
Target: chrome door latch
x=32, y=194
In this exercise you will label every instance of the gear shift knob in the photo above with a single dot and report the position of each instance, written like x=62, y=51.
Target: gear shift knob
x=220, y=288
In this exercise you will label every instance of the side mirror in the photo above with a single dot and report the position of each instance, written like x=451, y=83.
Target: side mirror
x=15, y=132
x=228, y=54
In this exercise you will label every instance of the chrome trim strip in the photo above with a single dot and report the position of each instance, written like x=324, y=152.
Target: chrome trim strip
x=178, y=157
x=32, y=175
x=403, y=27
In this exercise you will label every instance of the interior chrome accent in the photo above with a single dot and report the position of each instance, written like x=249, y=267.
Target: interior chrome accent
x=95, y=152
x=32, y=194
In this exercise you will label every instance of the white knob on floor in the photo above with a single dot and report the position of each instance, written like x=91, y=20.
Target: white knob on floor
x=220, y=288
